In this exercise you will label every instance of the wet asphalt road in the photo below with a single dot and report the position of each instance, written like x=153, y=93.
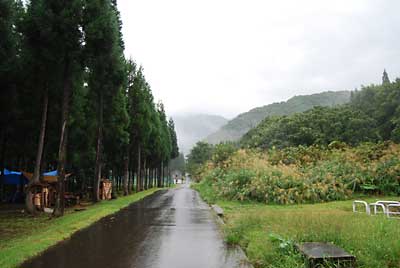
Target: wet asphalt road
x=170, y=229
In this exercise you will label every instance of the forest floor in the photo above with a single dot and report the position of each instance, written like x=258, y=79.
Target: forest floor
x=23, y=236
x=267, y=233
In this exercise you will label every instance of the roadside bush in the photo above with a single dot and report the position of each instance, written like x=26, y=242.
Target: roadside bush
x=305, y=174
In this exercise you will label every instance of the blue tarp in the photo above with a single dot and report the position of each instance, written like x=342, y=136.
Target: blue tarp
x=50, y=173
x=13, y=177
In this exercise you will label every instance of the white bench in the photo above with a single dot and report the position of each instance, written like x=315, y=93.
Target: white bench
x=389, y=212
x=385, y=206
x=367, y=209
x=377, y=205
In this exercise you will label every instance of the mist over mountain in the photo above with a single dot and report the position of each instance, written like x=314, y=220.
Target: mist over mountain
x=240, y=125
x=195, y=127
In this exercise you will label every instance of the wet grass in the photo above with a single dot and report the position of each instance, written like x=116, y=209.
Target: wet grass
x=267, y=232
x=22, y=236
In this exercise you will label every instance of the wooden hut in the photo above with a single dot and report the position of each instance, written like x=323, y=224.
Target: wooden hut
x=105, y=189
x=44, y=192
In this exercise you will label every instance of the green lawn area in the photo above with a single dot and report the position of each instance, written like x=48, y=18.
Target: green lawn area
x=374, y=240
x=22, y=236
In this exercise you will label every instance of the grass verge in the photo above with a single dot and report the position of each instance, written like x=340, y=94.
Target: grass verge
x=267, y=233
x=256, y=227
x=22, y=237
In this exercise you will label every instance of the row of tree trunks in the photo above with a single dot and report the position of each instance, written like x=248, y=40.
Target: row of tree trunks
x=127, y=182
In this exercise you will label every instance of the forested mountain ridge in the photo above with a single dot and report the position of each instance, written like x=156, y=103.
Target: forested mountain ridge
x=238, y=126
x=195, y=127
x=372, y=115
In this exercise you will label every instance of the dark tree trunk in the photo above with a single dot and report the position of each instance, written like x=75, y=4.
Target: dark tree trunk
x=36, y=173
x=130, y=181
x=62, y=148
x=39, y=153
x=152, y=178
x=159, y=175
x=138, y=172
x=162, y=174
x=155, y=177
x=126, y=172
x=98, y=165
x=148, y=178
x=168, y=176
x=145, y=179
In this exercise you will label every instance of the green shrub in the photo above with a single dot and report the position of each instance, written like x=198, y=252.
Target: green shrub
x=304, y=174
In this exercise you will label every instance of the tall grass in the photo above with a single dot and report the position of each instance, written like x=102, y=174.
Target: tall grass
x=373, y=240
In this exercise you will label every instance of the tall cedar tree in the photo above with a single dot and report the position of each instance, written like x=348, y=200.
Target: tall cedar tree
x=67, y=24
x=385, y=78
x=41, y=44
x=131, y=73
x=166, y=147
x=174, y=146
x=53, y=41
x=105, y=62
x=140, y=110
x=174, y=139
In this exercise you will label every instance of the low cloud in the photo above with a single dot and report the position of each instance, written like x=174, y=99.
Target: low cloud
x=226, y=57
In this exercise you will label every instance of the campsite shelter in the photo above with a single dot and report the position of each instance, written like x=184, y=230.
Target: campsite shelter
x=13, y=187
x=13, y=178
x=12, y=183
x=44, y=192
x=49, y=177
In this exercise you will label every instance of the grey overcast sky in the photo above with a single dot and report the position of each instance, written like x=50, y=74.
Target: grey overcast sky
x=225, y=56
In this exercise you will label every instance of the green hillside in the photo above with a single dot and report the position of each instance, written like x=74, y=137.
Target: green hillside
x=372, y=115
x=241, y=124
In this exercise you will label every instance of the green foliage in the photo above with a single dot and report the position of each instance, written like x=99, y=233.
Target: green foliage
x=173, y=139
x=304, y=174
x=199, y=155
x=222, y=152
x=381, y=102
x=320, y=125
x=385, y=78
x=10, y=65
x=166, y=144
